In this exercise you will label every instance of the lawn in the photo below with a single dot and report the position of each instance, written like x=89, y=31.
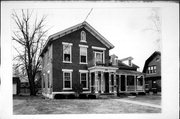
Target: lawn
x=151, y=99
x=37, y=105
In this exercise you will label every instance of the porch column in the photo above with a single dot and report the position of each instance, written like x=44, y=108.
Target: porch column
x=119, y=83
x=90, y=85
x=126, y=82
x=110, y=90
x=96, y=82
x=135, y=82
x=143, y=83
x=115, y=86
x=102, y=82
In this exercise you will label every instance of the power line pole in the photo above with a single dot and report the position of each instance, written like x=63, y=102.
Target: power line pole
x=88, y=14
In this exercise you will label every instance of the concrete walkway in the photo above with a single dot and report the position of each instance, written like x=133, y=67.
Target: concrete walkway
x=138, y=103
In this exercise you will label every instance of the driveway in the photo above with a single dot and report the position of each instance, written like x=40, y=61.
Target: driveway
x=38, y=105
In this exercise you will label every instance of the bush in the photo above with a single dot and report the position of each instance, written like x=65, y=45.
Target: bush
x=92, y=96
x=133, y=94
x=59, y=96
x=71, y=96
x=141, y=93
x=83, y=96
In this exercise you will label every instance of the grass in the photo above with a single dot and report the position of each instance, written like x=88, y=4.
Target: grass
x=152, y=99
x=37, y=105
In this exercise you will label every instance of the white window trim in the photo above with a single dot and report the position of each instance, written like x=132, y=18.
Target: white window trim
x=102, y=57
x=83, y=71
x=86, y=72
x=98, y=48
x=66, y=43
x=70, y=44
x=67, y=71
x=84, y=46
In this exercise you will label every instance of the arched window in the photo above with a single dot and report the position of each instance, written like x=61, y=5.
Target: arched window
x=83, y=36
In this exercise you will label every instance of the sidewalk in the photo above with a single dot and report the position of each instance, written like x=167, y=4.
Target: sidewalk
x=138, y=103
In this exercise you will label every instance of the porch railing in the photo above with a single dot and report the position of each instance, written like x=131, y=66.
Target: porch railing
x=130, y=88
x=139, y=88
x=133, y=88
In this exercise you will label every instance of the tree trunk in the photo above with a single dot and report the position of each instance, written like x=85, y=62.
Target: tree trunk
x=32, y=88
x=31, y=84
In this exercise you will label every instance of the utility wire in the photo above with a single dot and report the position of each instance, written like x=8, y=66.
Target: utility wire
x=88, y=14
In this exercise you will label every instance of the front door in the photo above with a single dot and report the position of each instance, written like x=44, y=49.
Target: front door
x=117, y=83
x=106, y=75
x=123, y=86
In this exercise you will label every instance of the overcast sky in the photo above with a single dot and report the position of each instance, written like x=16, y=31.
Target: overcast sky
x=123, y=27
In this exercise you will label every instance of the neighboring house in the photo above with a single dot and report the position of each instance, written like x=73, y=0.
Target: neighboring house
x=16, y=85
x=152, y=69
x=80, y=55
x=131, y=80
x=24, y=85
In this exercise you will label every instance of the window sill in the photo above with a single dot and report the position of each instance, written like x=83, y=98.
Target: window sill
x=67, y=62
x=83, y=41
x=83, y=63
x=85, y=88
x=67, y=88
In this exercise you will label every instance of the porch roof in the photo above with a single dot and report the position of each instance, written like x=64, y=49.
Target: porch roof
x=102, y=68
x=129, y=72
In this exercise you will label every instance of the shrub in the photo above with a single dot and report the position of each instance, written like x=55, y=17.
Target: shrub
x=92, y=96
x=59, y=96
x=83, y=96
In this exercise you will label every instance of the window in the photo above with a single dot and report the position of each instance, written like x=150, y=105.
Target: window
x=154, y=69
x=83, y=55
x=83, y=36
x=67, y=79
x=67, y=52
x=130, y=80
x=84, y=79
x=151, y=69
x=99, y=57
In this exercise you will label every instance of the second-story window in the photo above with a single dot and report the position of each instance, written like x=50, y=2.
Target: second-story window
x=83, y=36
x=83, y=55
x=99, y=57
x=67, y=57
x=151, y=69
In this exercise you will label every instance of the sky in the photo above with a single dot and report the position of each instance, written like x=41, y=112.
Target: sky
x=123, y=27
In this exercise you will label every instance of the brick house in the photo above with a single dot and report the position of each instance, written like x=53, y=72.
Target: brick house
x=78, y=56
x=152, y=69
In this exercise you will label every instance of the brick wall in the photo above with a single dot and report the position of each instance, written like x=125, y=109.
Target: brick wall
x=57, y=61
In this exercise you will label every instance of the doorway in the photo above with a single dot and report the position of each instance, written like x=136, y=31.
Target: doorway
x=106, y=75
x=123, y=85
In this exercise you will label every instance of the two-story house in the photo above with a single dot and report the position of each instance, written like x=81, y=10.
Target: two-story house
x=152, y=69
x=78, y=56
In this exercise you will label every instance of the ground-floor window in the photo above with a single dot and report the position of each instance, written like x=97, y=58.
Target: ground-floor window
x=84, y=79
x=130, y=80
x=67, y=79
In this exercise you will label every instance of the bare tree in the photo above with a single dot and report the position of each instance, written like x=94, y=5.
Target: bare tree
x=155, y=25
x=30, y=35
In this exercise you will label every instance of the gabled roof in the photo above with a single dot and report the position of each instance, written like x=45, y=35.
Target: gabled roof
x=122, y=65
x=75, y=28
x=150, y=59
x=127, y=58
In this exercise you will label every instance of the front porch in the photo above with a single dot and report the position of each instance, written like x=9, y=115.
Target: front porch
x=105, y=80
